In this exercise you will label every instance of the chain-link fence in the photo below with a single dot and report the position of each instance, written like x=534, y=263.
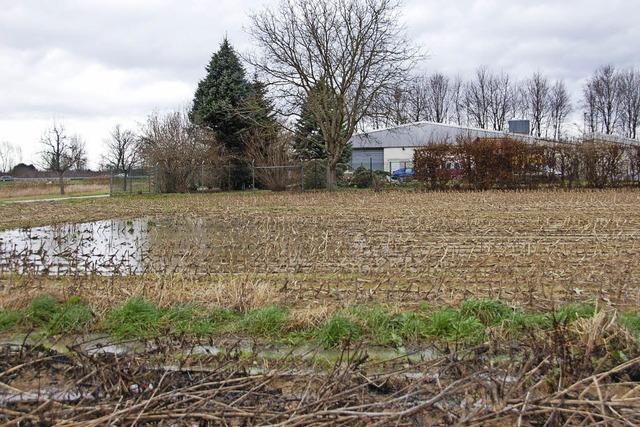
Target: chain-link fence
x=143, y=182
x=234, y=176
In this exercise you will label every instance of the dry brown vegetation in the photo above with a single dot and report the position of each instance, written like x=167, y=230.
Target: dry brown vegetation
x=546, y=382
x=534, y=249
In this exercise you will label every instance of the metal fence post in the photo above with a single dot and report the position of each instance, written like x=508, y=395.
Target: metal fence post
x=253, y=174
x=301, y=176
x=111, y=184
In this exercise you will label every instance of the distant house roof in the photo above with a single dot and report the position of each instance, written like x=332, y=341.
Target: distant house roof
x=422, y=133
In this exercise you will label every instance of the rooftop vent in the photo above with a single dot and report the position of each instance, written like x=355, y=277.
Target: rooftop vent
x=522, y=127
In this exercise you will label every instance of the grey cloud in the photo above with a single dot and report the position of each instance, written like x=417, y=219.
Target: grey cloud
x=93, y=60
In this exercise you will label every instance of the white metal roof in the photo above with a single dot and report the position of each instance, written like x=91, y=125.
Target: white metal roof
x=423, y=133
x=419, y=134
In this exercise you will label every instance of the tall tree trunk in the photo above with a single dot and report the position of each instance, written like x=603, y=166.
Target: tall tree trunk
x=61, y=182
x=125, y=181
x=331, y=175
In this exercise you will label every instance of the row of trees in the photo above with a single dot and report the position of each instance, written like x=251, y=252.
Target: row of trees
x=326, y=61
x=487, y=100
x=611, y=102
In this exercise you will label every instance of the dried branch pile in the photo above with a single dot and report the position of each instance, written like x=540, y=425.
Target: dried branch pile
x=550, y=379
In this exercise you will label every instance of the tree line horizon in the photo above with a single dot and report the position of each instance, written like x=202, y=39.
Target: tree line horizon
x=339, y=67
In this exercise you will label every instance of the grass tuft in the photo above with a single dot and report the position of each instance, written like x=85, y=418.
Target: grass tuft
x=572, y=312
x=488, y=312
x=521, y=321
x=631, y=321
x=268, y=321
x=411, y=326
x=9, y=319
x=72, y=316
x=136, y=318
x=451, y=325
x=50, y=316
x=338, y=330
x=378, y=324
x=42, y=310
x=186, y=319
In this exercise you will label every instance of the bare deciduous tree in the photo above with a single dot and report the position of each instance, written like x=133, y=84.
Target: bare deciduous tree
x=357, y=46
x=559, y=108
x=439, y=97
x=62, y=152
x=536, y=94
x=392, y=107
x=477, y=99
x=602, y=100
x=123, y=153
x=630, y=102
x=272, y=159
x=10, y=155
x=501, y=100
x=178, y=149
x=418, y=99
x=457, y=102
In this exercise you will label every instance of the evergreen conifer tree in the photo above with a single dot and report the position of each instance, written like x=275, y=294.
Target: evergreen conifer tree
x=221, y=98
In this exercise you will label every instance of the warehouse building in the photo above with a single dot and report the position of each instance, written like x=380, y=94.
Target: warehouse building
x=392, y=148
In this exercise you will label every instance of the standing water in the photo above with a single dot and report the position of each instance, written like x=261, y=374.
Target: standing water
x=110, y=247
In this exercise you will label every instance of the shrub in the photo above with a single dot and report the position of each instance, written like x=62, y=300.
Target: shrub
x=432, y=164
x=365, y=178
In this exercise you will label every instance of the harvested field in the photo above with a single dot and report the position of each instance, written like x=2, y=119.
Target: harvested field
x=529, y=248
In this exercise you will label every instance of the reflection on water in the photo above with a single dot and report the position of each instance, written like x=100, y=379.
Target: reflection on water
x=100, y=247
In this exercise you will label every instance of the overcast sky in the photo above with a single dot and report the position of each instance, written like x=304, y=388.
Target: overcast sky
x=94, y=63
